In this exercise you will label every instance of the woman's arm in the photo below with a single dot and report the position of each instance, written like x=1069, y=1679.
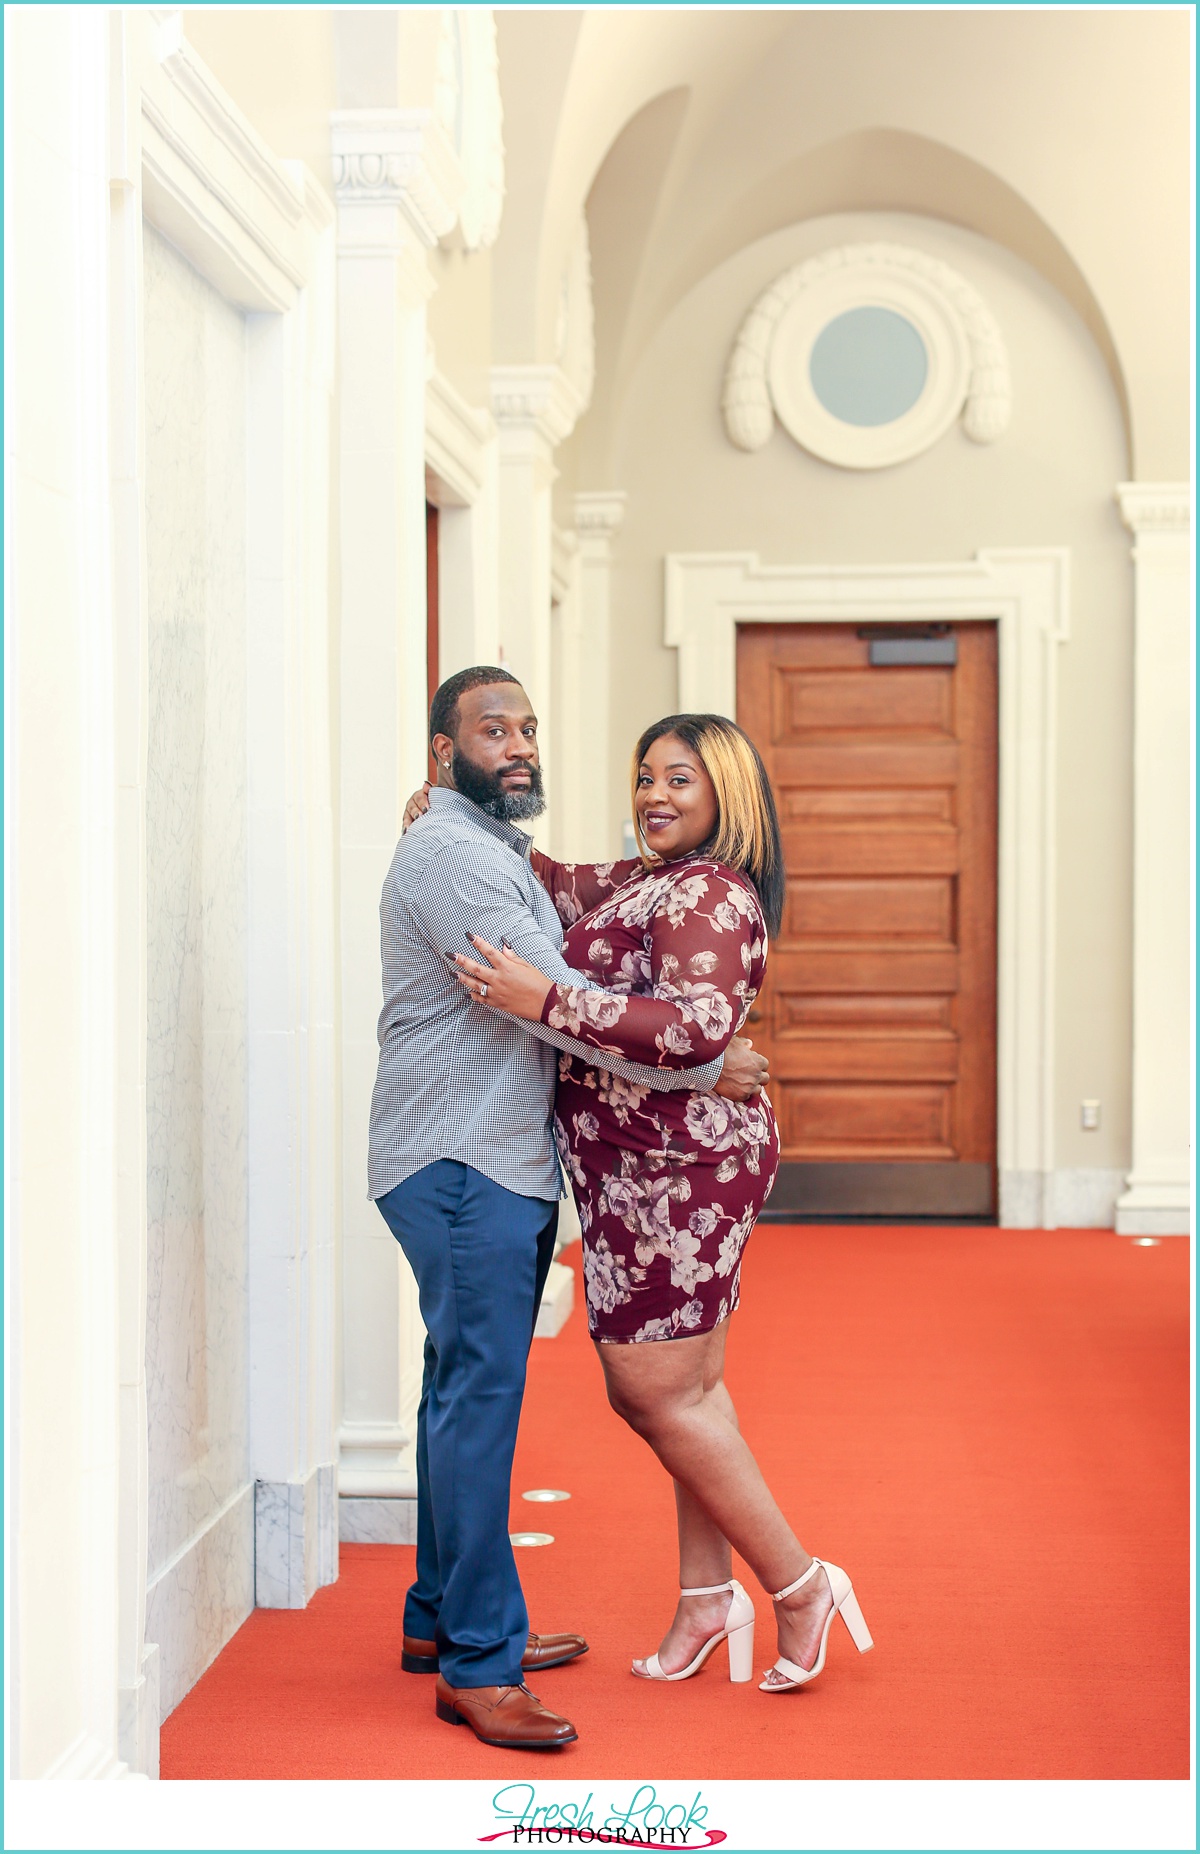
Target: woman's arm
x=706, y=936
x=576, y=887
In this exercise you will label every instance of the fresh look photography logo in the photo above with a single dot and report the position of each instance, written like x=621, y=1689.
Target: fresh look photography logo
x=646, y=1821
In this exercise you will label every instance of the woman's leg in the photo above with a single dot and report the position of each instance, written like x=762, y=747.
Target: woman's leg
x=704, y=1552
x=671, y=1392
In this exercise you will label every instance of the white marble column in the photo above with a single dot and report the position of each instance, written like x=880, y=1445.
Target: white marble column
x=1157, y=1199
x=292, y=1069
x=397, y=184
x=535, y=408
x=598, y=515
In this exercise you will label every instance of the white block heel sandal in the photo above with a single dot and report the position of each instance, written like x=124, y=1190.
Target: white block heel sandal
x=738, y=1632
x=845, y=1605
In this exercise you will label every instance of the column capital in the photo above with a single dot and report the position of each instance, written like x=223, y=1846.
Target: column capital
x=600, y=512
x=397, y=158
x=538, y=400
x=1155, y=508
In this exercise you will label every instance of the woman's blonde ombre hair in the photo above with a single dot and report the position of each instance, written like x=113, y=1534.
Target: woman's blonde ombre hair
x=747, y=835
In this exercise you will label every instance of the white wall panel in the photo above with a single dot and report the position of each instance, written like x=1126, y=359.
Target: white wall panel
x=195, y=387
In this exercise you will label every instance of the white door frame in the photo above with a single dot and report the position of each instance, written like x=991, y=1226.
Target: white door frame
x=1027, y=592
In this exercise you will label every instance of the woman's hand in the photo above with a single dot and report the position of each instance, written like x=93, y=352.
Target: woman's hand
x=506, y=983
x=416, y=806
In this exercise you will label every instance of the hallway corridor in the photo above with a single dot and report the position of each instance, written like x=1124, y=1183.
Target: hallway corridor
x=988, y=1428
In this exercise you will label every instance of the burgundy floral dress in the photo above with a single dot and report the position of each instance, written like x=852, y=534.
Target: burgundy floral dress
x=668, y=1185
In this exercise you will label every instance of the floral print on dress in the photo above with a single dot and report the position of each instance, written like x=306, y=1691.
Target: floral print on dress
x=668, y=1185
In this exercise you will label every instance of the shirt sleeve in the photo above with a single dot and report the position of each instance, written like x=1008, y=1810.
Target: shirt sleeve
x=574, y=888
x=704, y=936
x=459, y=891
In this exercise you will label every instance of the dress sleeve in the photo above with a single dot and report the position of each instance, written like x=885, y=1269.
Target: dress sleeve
x=705, y=937
x=459, y=891
x=574, y=888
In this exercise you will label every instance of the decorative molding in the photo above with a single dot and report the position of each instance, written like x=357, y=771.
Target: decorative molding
x=244, y=219
x=1156, y=508
x=1157, y=1200
x=575, y=328
x=400, y=158
x=470, y=107
x=457, y=436
x=319, y=209
x=968, y=362
x=236, y=135
x=600, y=512
x=538, y=399
x=375, y=1460
x=1027, y=592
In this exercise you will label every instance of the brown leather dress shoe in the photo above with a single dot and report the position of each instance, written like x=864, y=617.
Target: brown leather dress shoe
x=419, y=1656
x=505, y=1716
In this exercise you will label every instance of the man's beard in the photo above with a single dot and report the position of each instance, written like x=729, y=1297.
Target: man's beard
x=489, y=791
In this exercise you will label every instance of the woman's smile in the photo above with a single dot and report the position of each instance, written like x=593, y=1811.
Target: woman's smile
x=676, y=803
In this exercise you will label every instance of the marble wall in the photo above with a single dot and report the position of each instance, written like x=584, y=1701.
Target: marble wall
x=200, y=1519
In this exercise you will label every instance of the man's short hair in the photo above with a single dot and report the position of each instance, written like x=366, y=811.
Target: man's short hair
x=443, y=712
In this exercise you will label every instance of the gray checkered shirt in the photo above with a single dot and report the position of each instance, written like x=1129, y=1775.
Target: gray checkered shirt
x=457, y=1080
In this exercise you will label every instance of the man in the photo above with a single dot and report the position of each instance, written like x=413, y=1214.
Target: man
x=464, y=1170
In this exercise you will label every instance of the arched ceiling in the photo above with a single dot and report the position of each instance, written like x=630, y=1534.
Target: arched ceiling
x=1063, y=134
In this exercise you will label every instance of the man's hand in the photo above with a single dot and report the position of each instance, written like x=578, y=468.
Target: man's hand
x=743, y=1072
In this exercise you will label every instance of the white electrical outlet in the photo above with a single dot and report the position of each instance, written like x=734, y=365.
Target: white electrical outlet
x=1089, y=1115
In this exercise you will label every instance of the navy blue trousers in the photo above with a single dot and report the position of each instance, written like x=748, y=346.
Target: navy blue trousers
x=480, y=1254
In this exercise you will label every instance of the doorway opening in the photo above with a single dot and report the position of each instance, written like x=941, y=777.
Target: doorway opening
x=879, y=1011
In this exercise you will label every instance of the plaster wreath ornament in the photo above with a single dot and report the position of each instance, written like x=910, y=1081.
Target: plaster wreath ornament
x=574, y=327
x=470, y=113
x=946, y=341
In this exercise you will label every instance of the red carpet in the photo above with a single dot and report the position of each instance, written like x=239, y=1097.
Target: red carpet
x=988, y=1428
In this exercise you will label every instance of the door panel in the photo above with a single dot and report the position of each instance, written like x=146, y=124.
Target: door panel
x=879, y=1008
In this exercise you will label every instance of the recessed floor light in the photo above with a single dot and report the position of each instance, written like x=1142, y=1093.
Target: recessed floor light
x=545, y=1493
x=532, y=1538
x=1145, y=1242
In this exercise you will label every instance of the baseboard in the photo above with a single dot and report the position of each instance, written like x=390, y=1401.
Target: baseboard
x=86, y=1758
x=1086, y=1198
x=366, y=1521
x=138, y=1715
x=295, y=1539
x=1072, y=1198
x=201, y=1597
x=1155, y=1209
x=1082, y=1198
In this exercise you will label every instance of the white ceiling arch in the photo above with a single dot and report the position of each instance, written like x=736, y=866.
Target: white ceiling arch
x=1067, y=155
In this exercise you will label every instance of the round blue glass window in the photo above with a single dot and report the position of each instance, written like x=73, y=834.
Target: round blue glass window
x=868, y=366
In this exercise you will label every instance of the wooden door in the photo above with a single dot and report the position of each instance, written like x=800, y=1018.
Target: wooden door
x=879, y=1011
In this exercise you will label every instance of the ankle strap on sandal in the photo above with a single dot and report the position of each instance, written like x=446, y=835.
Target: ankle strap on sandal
x=707, y=1589
x=777, y=1596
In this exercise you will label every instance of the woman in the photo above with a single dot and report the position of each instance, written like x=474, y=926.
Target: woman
x=669, y=1185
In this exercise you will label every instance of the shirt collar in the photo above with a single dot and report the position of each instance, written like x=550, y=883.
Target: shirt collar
x=441, y=798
